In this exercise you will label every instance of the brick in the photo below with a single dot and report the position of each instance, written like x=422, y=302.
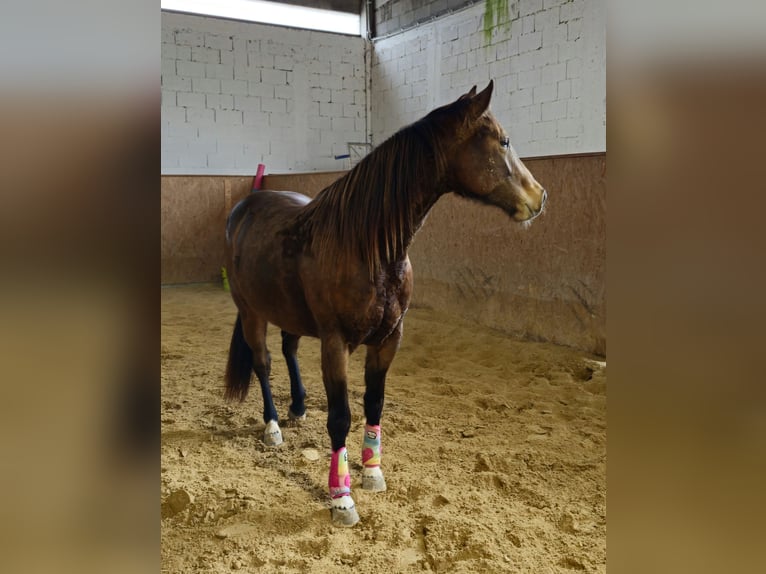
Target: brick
x=220, y=71
x=342, y=97
x=529, y=42
x=260, y=89
x=206, y=85
x=228, y=117
x=554, y=34
x=168, y=51
x=168, y=36
x=274, y=77
x=522, y=97
x=284, y=93
x=576, y=87
x=318, y=67
x=547, y=19
x=205, y=55
x=320, y=95
x=176, y=83
x=554, y=110
x=530, y=7
x=574, y=109
x=527, y=25
x=200, y=116
x=219, y=101
x=168, y=67
x=565, y=89
x=529, y=78
x=191, y=100
x=352, y=84
x=185, y=131
x=218, y=42
x=234, y=87
x=284, y=63
x=574, y=29
x=341, y=69
x=523, y=62
x=255, y=118
x=247, y=73
x=330, y=109
x=544, y=131
x=574, y=68
x=569, y=128
x=319, y=122
x=279, y=120
x=172, y=114
x=553, y=73
x=545, y=93
x=190, y=38
x=183, y=53
x=168, y=98
x=343, y=124
x=353, y=111
x=273, y=105
x=260, y=60
x=227, y=57
x=190, y=69
x=248, y=103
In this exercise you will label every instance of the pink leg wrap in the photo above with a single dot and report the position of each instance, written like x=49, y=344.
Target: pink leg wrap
x=340, y=480
x=371, y=447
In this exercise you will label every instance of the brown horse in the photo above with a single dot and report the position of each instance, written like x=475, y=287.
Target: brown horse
x=337, y=267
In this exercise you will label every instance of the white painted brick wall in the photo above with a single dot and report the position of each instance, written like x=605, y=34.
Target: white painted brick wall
x=549, y=72
x=237, y=94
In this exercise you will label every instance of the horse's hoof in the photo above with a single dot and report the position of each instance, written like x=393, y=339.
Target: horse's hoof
x=293, y=417
x=372, y=479
x=272, y=435
x=344, y=512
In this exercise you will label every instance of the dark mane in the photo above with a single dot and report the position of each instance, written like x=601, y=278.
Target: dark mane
x=373, y=211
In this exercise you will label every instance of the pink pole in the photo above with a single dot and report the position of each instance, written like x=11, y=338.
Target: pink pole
x=258, y=179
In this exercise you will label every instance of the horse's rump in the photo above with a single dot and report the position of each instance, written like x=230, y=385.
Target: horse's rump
x=263, y=259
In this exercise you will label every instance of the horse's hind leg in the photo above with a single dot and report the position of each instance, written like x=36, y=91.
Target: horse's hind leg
x=334, y=361
x=376, y=366
x=255, y=333
x=297, y=392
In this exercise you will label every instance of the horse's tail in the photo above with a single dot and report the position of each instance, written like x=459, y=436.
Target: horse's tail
x=239, y=368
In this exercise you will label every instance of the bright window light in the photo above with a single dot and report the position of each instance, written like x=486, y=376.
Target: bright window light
x=270, y=13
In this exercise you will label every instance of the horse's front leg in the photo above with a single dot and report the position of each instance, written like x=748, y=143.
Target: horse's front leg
x=376, y=366
x=334, y=361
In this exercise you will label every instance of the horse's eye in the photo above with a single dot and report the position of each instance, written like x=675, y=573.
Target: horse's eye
x=505, y=142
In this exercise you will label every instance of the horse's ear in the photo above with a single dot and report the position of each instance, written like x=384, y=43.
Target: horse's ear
x=471, y=93
x=480, y=102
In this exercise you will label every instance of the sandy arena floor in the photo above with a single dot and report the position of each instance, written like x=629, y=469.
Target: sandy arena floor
x=494, y=453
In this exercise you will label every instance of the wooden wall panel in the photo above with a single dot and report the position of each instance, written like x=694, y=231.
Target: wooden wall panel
x=545, y=282
x=194, y=210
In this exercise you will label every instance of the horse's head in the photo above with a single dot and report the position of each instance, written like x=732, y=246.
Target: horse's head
x=483, y=165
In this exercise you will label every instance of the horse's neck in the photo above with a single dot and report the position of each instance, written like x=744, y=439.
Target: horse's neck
x=422, y=201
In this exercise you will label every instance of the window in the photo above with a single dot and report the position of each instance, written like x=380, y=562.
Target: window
x=270, y=13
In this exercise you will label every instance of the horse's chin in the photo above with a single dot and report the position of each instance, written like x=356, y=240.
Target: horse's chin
x=525, y=214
